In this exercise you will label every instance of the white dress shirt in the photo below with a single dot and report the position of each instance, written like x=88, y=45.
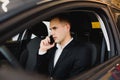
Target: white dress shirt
x=58, y=51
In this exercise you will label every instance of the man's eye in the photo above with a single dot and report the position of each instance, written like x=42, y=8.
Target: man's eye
x=54, y=28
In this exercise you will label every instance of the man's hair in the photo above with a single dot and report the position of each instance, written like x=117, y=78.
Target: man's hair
x=62, y=17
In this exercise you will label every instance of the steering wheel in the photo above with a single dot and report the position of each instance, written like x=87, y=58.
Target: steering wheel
x=10, y=57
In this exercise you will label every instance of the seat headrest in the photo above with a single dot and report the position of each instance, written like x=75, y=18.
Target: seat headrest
x=39, y=29
x=81, y=26
x=81, y=23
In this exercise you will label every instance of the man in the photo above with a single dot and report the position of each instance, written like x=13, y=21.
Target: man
x=69, y=58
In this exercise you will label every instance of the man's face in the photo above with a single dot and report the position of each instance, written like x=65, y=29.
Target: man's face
x=58, y=30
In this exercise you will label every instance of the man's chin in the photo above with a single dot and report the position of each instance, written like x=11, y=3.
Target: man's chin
x=57, y=42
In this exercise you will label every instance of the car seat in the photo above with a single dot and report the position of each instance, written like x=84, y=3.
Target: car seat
x=29, y=56
x=81, y=27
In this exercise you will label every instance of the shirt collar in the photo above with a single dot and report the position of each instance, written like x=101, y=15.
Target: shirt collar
x=59, y=46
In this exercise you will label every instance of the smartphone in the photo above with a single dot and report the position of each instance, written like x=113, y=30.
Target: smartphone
x=51, y=39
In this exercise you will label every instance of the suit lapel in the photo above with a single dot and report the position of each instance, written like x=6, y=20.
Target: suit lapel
x=64, y=53
x=51, y=64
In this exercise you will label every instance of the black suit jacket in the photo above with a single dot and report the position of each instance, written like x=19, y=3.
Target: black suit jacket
x=75, y=58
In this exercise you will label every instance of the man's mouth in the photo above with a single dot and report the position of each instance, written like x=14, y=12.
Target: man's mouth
x=54, y=38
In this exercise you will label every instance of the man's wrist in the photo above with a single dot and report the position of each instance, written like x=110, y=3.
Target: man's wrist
x=42, y=52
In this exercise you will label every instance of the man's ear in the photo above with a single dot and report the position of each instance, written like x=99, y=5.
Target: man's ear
x=68, y=26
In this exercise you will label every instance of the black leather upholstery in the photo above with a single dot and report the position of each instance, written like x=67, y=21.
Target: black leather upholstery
x=28, y=58
x=40, y=29
x=81, y=27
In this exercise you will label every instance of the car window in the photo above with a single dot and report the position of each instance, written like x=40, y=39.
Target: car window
x=86, y=26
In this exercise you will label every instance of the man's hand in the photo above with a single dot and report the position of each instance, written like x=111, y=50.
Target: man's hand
x=45, y=44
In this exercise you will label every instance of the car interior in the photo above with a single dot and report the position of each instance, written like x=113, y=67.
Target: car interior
x=85, y=27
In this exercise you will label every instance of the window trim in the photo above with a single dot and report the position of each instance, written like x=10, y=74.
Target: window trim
x=103, y=28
